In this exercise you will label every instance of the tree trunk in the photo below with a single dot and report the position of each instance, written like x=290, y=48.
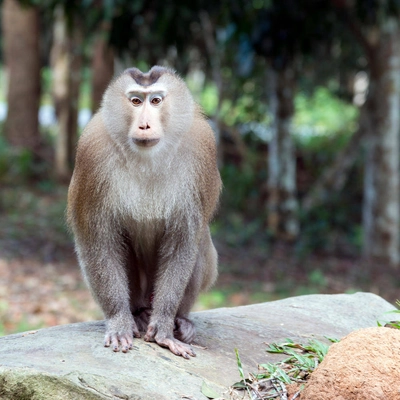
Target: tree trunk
x=66, y=59
x=282, y=203
x=102, y=65
x=381, y=191
x=22, y=58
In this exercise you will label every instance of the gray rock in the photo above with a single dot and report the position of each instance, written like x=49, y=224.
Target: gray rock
x=70, y=362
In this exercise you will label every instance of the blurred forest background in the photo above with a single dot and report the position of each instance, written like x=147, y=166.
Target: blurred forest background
x=304, y=98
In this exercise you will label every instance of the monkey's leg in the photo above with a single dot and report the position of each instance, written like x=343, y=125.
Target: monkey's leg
x=184, y=329
x=204, y=276
x=177, y=261
x=104, y=271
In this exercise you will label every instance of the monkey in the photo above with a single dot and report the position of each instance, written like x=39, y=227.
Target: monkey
x=143, y=192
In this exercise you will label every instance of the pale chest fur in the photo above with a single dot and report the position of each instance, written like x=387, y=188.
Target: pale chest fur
x=149, y=192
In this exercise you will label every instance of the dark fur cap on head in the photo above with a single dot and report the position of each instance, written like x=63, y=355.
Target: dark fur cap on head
x=148, y=78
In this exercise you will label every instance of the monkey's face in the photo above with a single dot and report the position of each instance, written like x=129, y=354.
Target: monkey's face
x=147, y=108
x=148, y=111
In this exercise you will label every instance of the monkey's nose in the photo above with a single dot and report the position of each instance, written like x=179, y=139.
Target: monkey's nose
x=146, y=142
x=144, y=126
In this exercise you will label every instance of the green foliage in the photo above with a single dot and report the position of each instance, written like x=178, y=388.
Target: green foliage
x=85, y=89
x=334, y=226
x=324, y=125
x=239, y=364
x=271, y=378
x=47, y=77
x=32, y=220
x=208, y=391
x=235, y=109
x=243, y=383
x=17, y=165
x=3, y=308
x=241, y=218
x=3, y=84
x=237, y=230
x=299, y=352
x=317, y=277
x=392, y=324
x=213, y=299
x=244, y=292
x=246, y=108
x=209, y=99
x=322, y=114
x=272, y=371
x=239, y=185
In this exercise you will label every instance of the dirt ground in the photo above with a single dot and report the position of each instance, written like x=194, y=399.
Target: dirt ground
x=35, y=294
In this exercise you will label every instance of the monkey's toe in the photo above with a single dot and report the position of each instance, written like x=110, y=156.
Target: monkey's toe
x=151, y=332
x=117, y=342
x=177, y=347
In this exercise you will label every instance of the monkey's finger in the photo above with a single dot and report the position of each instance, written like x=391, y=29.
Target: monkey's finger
x=125, y=345
x=114, y=342
x=111, y=340
x=108, y=340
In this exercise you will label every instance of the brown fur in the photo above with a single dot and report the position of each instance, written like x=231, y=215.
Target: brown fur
x=140, y=216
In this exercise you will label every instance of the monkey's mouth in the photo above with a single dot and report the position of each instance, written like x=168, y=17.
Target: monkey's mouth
x=146, y=142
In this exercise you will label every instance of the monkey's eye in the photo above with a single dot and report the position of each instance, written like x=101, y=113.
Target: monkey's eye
x=136, y=101
x=156, y=100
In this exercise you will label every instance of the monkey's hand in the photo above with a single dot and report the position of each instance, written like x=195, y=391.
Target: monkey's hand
x=121, y=330
x=154, y=333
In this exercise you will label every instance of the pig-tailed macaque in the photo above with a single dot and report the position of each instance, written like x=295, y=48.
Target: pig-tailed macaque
x=143, y=192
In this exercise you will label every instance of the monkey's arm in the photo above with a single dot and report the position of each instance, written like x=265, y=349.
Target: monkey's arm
x=100, y=251
x=176, y=266
x=102, y=263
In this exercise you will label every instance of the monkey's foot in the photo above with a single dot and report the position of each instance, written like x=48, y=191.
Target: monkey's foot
x=119, y=334
x=184, y=330
x=176, y=346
